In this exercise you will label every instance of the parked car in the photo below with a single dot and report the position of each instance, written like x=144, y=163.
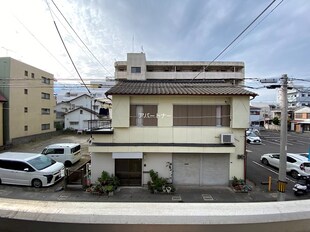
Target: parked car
x=253, y=138
x=66, y=153
x=252, y=130
x=295, y=164
x=29, y=169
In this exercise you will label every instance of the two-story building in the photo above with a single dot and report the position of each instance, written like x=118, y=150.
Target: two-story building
x=189, y=115
x=301, y=122
x=29, y=109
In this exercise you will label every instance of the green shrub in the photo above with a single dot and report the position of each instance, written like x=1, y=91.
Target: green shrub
x=158, y=184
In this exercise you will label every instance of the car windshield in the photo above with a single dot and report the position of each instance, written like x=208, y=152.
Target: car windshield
x=41, y=162
x=252, y=134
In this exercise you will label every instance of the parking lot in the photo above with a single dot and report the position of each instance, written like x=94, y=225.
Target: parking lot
x=259, y=173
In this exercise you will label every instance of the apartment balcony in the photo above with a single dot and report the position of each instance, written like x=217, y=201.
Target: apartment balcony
x=101, y=126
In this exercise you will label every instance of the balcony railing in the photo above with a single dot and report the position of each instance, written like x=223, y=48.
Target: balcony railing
x=100, y=125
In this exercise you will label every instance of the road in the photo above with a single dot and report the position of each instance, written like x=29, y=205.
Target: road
x=258, y=173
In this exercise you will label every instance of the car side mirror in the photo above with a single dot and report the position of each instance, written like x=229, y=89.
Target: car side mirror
x=26, y=169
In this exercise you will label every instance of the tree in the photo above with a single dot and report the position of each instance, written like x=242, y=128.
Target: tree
x=276, y=121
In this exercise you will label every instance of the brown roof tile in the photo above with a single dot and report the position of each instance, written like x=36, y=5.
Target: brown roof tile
x=176, y=87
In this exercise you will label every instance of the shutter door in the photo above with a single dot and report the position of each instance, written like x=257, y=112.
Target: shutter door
x=201, y=169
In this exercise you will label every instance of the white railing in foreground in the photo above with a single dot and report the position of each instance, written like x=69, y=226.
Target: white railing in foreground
x=99, y=216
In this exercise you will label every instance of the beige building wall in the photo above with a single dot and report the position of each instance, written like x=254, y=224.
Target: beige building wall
x=165, y=132
x=27, y=96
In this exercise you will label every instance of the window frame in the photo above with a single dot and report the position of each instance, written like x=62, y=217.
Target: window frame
x=201, y=115
x=135, y=69
x=143, y=115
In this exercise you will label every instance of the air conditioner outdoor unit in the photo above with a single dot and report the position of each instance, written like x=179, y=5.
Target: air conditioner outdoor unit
x=227, y=138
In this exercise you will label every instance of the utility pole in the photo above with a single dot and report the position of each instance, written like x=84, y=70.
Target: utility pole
x=283, y=140
x=283, y=136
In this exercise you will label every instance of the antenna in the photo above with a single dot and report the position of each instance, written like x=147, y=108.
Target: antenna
x=133, y=43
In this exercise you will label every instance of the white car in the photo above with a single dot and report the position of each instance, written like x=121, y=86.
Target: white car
x=66, y=153
x=295, y=163
x=253, y=138
x=29, y=169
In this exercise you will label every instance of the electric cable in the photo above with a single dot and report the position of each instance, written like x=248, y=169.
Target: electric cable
x=235, y=38
x=63, y=42
x=80, y=38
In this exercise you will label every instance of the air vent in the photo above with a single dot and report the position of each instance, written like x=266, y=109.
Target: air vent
x=227, y=138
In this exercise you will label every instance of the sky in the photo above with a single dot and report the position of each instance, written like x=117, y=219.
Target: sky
x=187, y=30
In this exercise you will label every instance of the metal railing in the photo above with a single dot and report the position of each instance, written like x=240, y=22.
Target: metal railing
x=100, y=124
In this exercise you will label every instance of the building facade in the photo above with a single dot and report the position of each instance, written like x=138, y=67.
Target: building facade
x=297, y=98
x=29, y=110
x=301, y=122
x=184, y=120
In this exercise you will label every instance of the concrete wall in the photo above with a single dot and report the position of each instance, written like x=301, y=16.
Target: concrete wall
x=49, y=216
x=157, y=162
x=101, y=162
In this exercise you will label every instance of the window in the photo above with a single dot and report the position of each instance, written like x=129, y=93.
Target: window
x=53, y=151
x=25, y=91
x=45, y=126
x=32, y=75
x=26, y=73
x=45, y=111
x=290, y=159
x=25, y=109
x=143, y=115
x=135, y=69
x=15, y=165
x=81, y=111
x=74, y=123
x=308, y=115
x=25, y=128
x=201, y=115
x=298, y=115
x=45, y=80
x=45, y=95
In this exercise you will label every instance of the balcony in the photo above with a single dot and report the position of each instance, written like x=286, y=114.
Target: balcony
x=101, y=126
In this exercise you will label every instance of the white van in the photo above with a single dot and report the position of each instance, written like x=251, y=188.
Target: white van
x=29, y=169
x=67, y=153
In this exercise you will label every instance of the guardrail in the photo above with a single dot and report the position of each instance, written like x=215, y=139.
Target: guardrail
x=98, y=216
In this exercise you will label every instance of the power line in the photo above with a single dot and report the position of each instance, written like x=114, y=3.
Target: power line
x=67, y=49
x=259, y=23
x=80, y=38
x=235, y=38
x=41, y=44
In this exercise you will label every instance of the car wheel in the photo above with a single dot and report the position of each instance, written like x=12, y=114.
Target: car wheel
x=68, y=164
x=294, y=174
x=265, y=161
x=37, y=183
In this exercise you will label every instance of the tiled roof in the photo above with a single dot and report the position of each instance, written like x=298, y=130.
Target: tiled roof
x=176, y=87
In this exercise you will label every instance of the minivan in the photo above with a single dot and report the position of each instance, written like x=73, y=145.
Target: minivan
x=29, y=169
x=66, y=153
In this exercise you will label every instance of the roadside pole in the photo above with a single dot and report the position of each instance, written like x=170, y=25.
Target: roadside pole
x=283, y=140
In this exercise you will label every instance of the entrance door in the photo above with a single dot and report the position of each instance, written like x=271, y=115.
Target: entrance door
x=129, y=171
